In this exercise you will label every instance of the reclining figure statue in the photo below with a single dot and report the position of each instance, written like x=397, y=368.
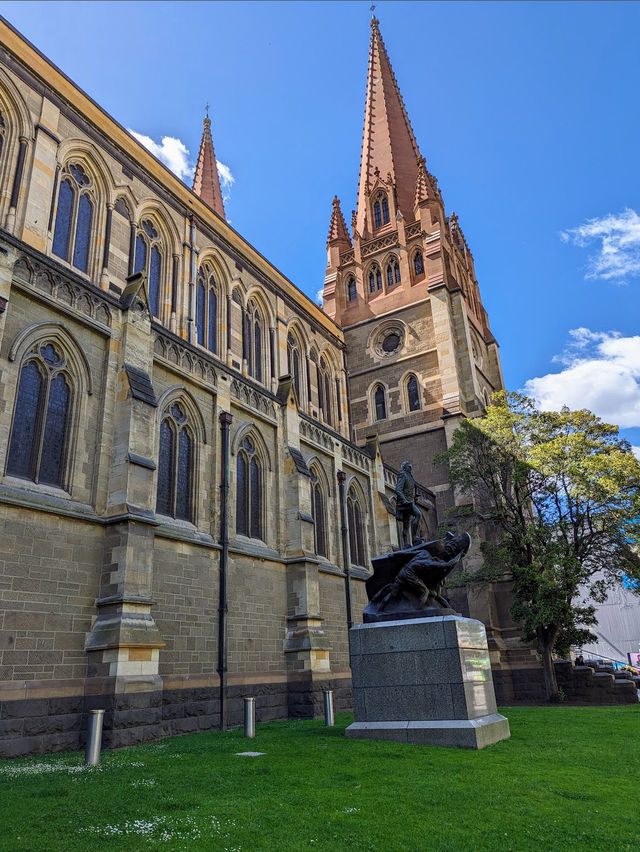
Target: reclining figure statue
x=406, y=583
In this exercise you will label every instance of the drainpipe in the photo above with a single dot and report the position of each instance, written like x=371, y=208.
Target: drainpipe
x=346, y=555
x=225, y=422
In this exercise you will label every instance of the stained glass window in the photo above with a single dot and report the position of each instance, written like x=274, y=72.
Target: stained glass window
x=175, y=465
x=319, y=519
x=200, y=299
x=293, y=358
x=413, y=394
x=351, y=290
x=380, y=404
x=377, y=214
x=83, y=233
x=242, y=496
x=213, y=316
x=183, y=483
x=165, y=469
x=74, y=217
x=155, y=272
x=393, y=272
x=62, y=230
x=372, y=281
x=255, y=499
x=148, y=258
x=249, y=491
x=23, y=450
x=55, y=431
x=356, y=532
x=141, y=254
x=254, y=341
x=385, y=210
x=40, y=425
x=418, y=263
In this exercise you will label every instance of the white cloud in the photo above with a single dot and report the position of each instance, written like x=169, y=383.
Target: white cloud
x=601, y=372
x=617, y=243
x=226, y=180
x=171, y=151
x=320, y=297
x=176, y=156
x=636, y=452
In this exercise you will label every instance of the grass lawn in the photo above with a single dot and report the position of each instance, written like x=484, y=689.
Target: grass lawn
x=567, y=779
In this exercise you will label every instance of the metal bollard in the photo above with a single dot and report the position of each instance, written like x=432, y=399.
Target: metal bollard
x=328, y=708
x=92, y=757
x=250, y=717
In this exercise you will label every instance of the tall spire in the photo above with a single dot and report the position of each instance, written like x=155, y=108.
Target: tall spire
x=389, y=147
x=206, y=181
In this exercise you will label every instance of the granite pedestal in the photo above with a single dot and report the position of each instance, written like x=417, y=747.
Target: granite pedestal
x=424, y=680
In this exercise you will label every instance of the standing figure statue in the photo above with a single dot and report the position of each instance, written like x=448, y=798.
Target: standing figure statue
x=406, y=509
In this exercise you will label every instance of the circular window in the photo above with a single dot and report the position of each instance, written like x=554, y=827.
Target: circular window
x=388, y=340
x=391, y=342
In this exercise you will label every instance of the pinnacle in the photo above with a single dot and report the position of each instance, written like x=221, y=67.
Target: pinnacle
x=337, y=227
x=206, y=181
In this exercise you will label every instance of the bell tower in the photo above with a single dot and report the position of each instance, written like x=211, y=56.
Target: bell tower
x=420, y=353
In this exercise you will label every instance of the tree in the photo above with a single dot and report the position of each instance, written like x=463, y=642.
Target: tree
x=564, y=492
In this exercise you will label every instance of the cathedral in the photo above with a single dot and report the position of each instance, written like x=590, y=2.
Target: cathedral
x=197, y=462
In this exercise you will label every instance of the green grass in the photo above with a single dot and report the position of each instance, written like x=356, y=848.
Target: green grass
x=566, y=780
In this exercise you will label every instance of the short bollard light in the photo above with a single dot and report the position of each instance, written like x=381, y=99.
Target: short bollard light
x=250, y=717
x=328, y=708
x=94, y=740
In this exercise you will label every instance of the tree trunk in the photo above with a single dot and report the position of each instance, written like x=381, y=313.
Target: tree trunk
x=550, y=682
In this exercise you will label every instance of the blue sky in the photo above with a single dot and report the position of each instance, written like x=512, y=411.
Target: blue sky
x=526, y=112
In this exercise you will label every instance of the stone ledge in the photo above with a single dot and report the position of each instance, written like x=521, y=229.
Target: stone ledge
x=459, y=733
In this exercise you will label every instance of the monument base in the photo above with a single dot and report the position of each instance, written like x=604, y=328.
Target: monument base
x=425, y=681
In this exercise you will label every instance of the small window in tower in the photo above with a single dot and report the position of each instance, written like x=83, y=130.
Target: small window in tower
x=418, y=263
x=377, y=214
x=351, y=289
x=385, y=210
x=393, y=272
x=380, y=403
x=413, y=394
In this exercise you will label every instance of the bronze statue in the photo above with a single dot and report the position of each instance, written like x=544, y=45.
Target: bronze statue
x=406, y=509
x=406, y=583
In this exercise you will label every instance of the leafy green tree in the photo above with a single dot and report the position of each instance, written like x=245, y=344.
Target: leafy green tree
x=563, y=490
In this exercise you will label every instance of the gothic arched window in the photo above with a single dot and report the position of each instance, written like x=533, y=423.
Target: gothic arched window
x=418, y=263
x=74, y=215
x=324, y=392
x=375, y=278
x=175, y=465
x=148, y=258
x=39, y=436
x=254, y=337
x=319, y=517
x=3, y=133
x=413, y=393
x=393, y=272
x=381, y=210
x=249, y=491
x=293, y=358
x=380, y=403
x=355, y=519
x=351, y=289
x=207, y=310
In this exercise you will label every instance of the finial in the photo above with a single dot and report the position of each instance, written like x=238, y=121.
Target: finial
x=207, y=120
x=206, y=106
x=374, y=20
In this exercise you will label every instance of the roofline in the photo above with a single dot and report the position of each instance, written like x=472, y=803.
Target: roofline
x=52, y=77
